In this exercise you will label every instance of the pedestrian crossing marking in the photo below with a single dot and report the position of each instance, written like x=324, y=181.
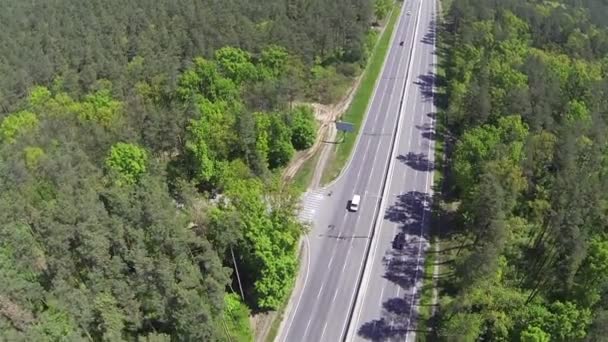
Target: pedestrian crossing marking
x=311, y=201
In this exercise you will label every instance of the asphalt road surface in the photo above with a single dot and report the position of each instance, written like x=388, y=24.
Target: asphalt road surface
x=322, y=303
x=389, y=301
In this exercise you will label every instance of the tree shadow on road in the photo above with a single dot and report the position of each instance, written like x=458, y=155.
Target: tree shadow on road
x=403, y=267
x=427, y=130
x=417, y=161
x=394, y=324
x=430, y=35
x=426, y=84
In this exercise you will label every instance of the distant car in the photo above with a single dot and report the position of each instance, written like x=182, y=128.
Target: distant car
x=354, y=203
x=409, y=12
x=399, y=241
x=401, y=43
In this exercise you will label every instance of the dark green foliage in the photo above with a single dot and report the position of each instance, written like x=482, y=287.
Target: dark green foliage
x=526, y=105
x=139, y=148
x=303, y=128
x=75, y=43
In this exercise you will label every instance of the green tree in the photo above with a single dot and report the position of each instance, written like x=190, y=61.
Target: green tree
x=281, y=149
x=204, y=81
x=109, y=320
x=273, y=61
x=128, y=161
x=382, y=8
x=303, y=128
x=534, y=334
x=15, y=124
x=271, y=232
x=235, y=64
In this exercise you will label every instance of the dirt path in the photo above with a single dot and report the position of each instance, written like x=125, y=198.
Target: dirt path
x=325, y=115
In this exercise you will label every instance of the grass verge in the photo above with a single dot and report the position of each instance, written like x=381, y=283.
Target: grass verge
x=302, y=179
x=235, y=320
x=358, y=107
x=355, y=114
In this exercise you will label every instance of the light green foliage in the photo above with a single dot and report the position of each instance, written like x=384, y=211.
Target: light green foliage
x=273, y=139
x=204, y=81
x=280, y=146
x=210, y=138
x=106, y=240
x=567, y=322
x=534, y=334
x=128, y=161
x=526, y=86
x=236, y=315
x=303, y=128
x=55, y=324
x=32, y=156
x=235, y=64
x=577, y=111
x=273, y=61
x=217, y=124
x=382, y=8
x=371, y=38
x=271, y=232
x=15, y=124
x=461, y=327
x=593, y=273
x=482, y=144
x=262, y=140
x=38, y=96
x=101, y=108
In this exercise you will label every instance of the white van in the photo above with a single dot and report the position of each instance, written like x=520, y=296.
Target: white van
x=354, y=203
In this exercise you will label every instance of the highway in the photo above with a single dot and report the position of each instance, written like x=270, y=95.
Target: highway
x=399, y=115
x=389, y=295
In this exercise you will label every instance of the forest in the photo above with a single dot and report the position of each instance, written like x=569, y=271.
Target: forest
x=141, y=145
x=525, y=112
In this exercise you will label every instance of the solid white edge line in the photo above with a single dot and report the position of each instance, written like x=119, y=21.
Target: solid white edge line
x=430, y=189
x=366, y=274
x=306, y=240
x=369, y=104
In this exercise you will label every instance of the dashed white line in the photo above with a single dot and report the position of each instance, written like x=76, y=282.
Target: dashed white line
x=323, y=334
x=330, y=261
x=335, y=295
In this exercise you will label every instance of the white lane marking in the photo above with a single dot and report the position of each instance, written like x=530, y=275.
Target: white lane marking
x=320, y=290
x=330, y=261
x=335, y=295
x=426, y=185
x=357, y=145
x=307, y=325
x=323, y=334
x=295, y=311
x=385, y=62
x=399, y=64
x=364, y=286
x=375, y=205
x=347, y=254
x=366, y=152
x=406, y=173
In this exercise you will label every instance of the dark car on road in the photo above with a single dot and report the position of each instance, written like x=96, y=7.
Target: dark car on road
x=399, y=241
